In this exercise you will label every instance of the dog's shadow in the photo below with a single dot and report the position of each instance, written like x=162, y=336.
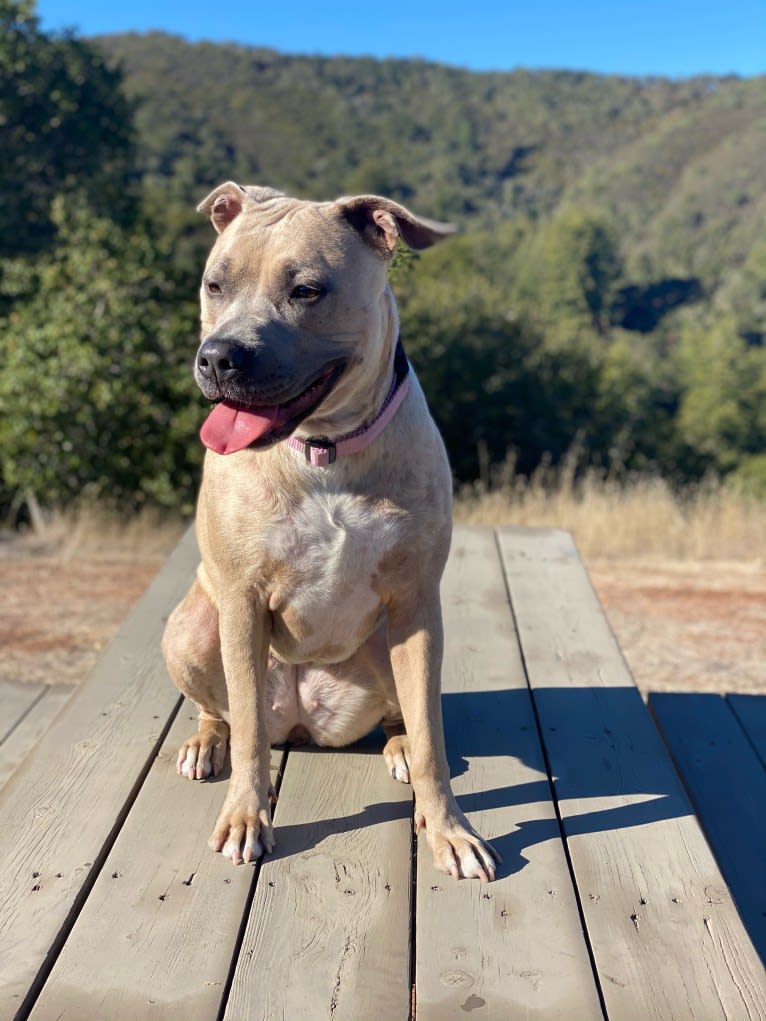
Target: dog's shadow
x=590, y=762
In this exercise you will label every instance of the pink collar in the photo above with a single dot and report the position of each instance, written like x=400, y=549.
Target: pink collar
x=322, y=451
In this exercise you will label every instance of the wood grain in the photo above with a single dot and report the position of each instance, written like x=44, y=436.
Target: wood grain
x=61, y=807
x=328, y=932
x=513, y=948
x=665, y=934
x=156, y=937
x=112, y=907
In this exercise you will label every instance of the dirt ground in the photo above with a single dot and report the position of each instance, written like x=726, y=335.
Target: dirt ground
x=696, y=626
x=56, y=617
x=687, y=625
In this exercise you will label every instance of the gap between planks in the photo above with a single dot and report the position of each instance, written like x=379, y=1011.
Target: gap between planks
x=514, y=948
x=641, y=863
x=27, y=728
x=726, y=781
x=162, y=925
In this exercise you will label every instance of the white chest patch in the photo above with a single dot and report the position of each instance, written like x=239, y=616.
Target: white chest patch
x=332, y=545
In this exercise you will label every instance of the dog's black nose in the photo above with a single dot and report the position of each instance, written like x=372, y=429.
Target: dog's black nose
x=220, y=359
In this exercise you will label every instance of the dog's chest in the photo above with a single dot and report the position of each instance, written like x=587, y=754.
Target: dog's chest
x=326, y=597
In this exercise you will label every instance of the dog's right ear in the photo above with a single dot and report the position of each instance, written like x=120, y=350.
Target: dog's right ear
x=223, y=204
x=228, y=200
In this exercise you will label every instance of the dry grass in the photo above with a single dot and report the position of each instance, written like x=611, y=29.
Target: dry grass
x=94, y=532
x=656, y=558
x=634, y=517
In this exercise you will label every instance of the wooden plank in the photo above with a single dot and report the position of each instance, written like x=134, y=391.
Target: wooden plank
x=750, y=710
x=59, y=809
x=157, y=934
x=727, y=784
x=16, y=699
x=665, y=934
x=31, y=726
x=328, y=930
x=514, y=949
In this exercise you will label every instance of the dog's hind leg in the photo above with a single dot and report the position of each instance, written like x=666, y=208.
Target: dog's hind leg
x=375, y=661
x=191, y=646
x=397, y=750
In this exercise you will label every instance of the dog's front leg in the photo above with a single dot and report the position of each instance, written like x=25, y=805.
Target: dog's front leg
x=244, y=830
x=416, y=646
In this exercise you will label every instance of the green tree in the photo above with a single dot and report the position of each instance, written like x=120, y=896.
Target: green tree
x=64, y=125
x=570, y=277
x=95, y=371
x=633, y=417
x=722, y=416
x=744, y=294
x=491, y=382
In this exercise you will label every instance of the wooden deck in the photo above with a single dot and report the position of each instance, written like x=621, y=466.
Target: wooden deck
x=610, y=903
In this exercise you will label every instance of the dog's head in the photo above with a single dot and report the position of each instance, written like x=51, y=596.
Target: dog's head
x=297, y=318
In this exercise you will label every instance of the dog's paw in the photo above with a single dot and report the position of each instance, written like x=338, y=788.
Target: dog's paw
x=204, y=754
x=397, y=756
x=458, y=849
x=243, y=831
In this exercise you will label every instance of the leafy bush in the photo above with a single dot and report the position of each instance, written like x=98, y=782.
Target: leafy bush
x=95, y=376
x=64, y=121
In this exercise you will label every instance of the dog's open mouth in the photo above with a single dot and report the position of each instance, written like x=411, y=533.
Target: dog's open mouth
x=232, y=426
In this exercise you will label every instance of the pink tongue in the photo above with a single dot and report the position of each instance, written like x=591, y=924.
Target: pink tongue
x=228, y=428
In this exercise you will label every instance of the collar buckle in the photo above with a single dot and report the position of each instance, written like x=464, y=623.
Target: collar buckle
x=320, y=451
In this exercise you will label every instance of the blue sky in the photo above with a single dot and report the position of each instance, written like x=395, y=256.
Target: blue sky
x=637, y=37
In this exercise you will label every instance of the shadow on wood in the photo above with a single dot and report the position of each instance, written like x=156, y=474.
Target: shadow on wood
x=482, y=723
x=590, y=762
x=717, y=746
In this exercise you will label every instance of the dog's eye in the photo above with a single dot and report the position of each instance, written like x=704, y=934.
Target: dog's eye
x=213, y=287
x=306, y=292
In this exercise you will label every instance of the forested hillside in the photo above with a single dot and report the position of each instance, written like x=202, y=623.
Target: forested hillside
x=678, y=165
x=608, y=290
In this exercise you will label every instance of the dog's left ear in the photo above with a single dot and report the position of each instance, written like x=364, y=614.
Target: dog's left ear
x=383, y=221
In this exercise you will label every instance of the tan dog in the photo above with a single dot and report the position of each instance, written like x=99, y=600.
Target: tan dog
x=315, y=613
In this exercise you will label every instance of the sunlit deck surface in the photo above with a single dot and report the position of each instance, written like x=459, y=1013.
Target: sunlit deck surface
x=610, y=902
